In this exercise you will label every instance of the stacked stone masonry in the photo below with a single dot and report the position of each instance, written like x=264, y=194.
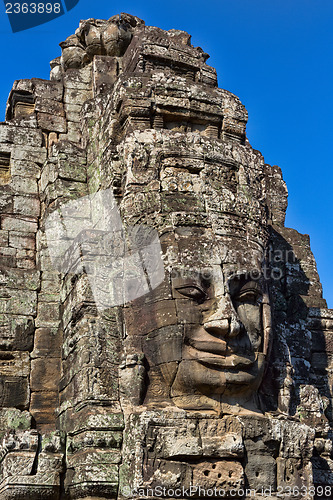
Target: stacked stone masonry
x=168, y=390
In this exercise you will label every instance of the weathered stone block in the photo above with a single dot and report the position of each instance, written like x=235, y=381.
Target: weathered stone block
x=26, y=263
x=222, y=474
x=65, y=189
x=25, y=254
x=25, y=205
x=7, y=257
x=14, y=364
x=15, y=419
x=22, y=302
x=187, y=313
x=25, y=169
x=43, y=405
x=220, y=444
x=73, y=134
x=45, y=374
x=14, y=392
x=79, y=79
x=27, y=225
x=173, y=442
x=6, y=204
x=3, y=238
x=22, y=240
x=97, y=438
x=71, y=116
x=90, y=383
x=101, y=479
x=48, y=295
x=52, y=123
x=290, y=472
x=260, y=471
x=47, y=342
x=167, y=474
x=94, y=457
x=47, y=314
x=19, y=463
x=24, y=185
x=72, y=170
x=20, y=135
x=98, y=418
x=47, y=89
x=49, y=287
x=163, y=345
x=76, y=95
x=16, y=332
x=49, y=106
x=29, y=154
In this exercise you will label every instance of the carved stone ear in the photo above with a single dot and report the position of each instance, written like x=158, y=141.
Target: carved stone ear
x=132, y=379
x=267, y=325
x=276, y=194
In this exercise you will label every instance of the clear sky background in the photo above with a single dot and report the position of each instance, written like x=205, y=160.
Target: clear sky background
x=276, y=55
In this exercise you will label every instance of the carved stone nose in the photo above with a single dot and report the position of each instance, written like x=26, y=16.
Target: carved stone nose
x=217, y=327
x=223, y=322
x=223, y=327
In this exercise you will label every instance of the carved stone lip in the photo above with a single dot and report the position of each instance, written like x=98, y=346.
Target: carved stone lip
x=233, y=361
x=210, y=346
x=226, y=361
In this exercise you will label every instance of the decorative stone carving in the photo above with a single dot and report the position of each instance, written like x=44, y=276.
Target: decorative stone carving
x=4, y=168
x=220, y=376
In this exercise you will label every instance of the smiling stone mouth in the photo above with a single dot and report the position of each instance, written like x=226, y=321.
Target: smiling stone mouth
x=221, y=359
x=211, y=346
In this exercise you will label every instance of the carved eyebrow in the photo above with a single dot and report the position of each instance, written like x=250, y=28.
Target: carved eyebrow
x=188, y=282
x=244, y=280
x=250, y=285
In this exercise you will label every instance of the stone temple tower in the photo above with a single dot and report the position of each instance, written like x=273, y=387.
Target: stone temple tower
x=162, y=333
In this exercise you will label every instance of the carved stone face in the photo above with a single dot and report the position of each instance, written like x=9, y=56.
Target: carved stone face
x=205, y=330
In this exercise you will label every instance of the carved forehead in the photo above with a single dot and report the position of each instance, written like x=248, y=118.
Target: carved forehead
x=219, y=161
x=220, y=187
x=204, y=200
x=196, y=249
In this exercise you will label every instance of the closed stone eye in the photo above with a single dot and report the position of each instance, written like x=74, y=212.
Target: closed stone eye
x=249, y=295
x=193, y=292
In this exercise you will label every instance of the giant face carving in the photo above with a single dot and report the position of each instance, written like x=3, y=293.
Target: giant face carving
x=205, y=330
x=223, y=350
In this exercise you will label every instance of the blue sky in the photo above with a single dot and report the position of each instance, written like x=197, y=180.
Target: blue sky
x=276, y=55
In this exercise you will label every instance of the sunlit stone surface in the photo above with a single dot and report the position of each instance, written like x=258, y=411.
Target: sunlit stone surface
x=203, y=362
